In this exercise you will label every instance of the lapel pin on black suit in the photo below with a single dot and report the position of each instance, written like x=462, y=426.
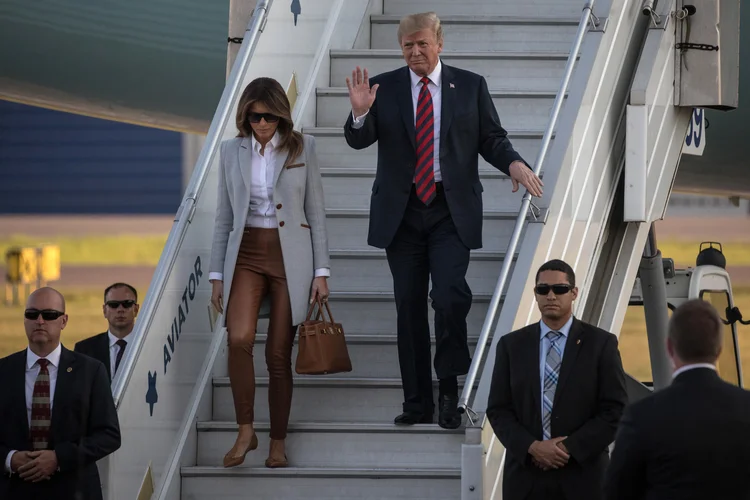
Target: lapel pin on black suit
x=578, y=341
x=451, y=85
x=70, y=369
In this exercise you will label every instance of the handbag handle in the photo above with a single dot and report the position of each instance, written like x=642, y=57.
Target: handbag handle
x=318, y=302
x=328, y=308
x=312, y=308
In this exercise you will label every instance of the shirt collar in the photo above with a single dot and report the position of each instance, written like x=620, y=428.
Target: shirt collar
x=692, y=367
x=565, y=330
x=113, y=340
x=434, y=76
x=272, y=143
x=53, y=357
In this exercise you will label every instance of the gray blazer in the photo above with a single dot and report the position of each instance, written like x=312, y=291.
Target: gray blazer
x=304, y=238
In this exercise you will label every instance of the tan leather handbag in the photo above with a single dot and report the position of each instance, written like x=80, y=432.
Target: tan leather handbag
x=322, y=346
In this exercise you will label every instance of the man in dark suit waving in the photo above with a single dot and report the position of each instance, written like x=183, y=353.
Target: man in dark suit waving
x=557, y=394
x=120, y=309
x=431, y=121
x=690, y=440
x=57, y=416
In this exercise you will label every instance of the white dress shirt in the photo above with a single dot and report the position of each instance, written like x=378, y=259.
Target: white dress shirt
x=692, y=367
x=114, y=349
x=262, y=212
x=32, y=371
x=437, y=99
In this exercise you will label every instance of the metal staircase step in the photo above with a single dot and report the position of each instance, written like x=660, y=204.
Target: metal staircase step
x=369, y=312
x=321, y=483
x=373, y=356
x=347, y=228
x=352, y=271
x=333, y=151
x=531, y=108
x=549, y=8
x=478, y=33
x=375, y=312
x=347, y=192
x=325, y=398
x=340, y=444
x=514, y=70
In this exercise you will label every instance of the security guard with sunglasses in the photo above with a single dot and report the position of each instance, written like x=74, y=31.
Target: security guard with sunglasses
x=57, y=415
x=557, y=394
x=120, y=308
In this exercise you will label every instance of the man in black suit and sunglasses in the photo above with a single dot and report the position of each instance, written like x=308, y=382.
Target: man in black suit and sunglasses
x=57, y=416
x=557, y=394
x=120, y=308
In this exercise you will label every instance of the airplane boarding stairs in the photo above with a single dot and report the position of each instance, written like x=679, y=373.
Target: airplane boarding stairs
x=342, y=443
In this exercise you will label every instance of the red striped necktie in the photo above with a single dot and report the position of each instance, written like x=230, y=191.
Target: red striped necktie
x=424, y=177
x=41, y=413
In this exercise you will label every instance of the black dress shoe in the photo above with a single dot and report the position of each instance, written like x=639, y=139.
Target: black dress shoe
x=448, y=418
x=412, y=417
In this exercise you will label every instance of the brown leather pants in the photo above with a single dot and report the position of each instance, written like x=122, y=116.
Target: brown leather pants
x=260, y=271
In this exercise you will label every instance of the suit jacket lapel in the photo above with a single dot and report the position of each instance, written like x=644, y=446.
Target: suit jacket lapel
x=18, y=388
x=532, y=360
x=104, y=353
x=406, y=105
x=572, y=348
x=244, y=160
x=447, y=107
x=281, y=160
x=66, y=373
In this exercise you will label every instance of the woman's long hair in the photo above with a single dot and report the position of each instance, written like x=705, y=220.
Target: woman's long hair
x=270, y=93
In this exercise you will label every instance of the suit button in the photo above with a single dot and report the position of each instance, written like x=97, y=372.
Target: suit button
x=278, y=206
x=281, y=224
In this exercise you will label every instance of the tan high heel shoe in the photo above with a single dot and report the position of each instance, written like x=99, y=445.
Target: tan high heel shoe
x=275, y=463
x=233, y=460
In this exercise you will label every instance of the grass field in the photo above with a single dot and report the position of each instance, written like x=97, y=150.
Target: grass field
x=144, y=250
x=104, y=250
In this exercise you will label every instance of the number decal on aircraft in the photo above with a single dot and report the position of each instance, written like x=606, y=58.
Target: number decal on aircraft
x=695, y=130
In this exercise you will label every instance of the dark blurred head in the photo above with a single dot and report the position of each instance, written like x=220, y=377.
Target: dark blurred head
x=695, y=334
x=44, y=334
x=264, y=110
x=120, y=308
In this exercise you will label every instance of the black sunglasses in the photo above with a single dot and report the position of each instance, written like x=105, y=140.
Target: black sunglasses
x=256, y=117
x=114, y=304
x=47, y=314
x=556, y=289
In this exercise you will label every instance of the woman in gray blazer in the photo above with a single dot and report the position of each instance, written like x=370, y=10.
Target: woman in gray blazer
x=270, y=241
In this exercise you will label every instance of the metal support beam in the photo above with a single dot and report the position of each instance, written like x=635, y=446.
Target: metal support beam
x=654, y=292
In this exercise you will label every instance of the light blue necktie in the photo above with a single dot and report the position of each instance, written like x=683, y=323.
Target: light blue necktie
x=551, y=375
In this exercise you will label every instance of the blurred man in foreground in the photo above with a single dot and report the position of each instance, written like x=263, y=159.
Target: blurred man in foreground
x=692, y=439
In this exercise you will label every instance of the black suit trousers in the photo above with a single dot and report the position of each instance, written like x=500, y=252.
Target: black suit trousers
x=427, y=245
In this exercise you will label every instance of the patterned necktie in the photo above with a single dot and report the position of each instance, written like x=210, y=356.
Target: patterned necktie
x=122, y=345
x=551, y=375
x=41, y=413
x=424, y=177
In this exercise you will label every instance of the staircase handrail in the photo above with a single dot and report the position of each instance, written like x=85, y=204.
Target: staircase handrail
x=187, y=208
x=494, y=307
